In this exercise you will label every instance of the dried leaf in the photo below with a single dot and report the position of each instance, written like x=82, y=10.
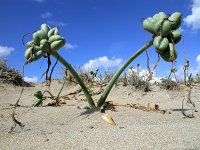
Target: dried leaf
x=149, y=109
x=108, y=118
x=123, y=105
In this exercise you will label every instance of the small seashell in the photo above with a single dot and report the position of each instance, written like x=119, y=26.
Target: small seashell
x=108, y=118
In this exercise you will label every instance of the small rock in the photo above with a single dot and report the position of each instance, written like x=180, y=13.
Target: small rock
x=46, y=140
x=91, y=127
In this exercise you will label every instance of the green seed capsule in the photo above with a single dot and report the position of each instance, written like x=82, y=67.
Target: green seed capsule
x=176, y=19
x=37, y=48
x=176, y=36
x=30, y=44
x=160, y=16
x=36, y=38
x=56, y=45
x=51, y=32
x=45, y=28
x=34, y=53
x=42, y=35
x=43, y=41
x=149, y=25
x=55, y=38
x=28, y=53
x=56, y=32
x=160, y=44
x=157, y=26
x=166, y=28
x=37, y=55
x=170, y=54
x=44, y=45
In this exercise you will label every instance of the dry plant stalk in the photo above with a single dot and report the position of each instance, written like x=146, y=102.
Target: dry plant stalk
x=189, y=100
x=16, y=122
x=111, y=105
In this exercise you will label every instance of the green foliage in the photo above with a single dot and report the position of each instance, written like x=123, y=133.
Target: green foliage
x=39, y=96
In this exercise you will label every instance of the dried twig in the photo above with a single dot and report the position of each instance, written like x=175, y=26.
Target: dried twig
x=16, y=122
x=189, y=101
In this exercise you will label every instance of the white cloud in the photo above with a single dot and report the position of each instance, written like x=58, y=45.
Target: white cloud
x=39, y=1
x=198, y=60
x=70, y=46
x=104, y=62
x=5, y=50
x=198, y=63
x=56, y=23
x=46, y=15
x=32, y=79
x=193, y=20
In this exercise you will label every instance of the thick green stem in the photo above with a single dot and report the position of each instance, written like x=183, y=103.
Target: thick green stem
x=185, y=76
x=76, y=76
x=119, y=72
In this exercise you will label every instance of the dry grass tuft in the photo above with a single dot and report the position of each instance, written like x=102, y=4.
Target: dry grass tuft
x=11, y=75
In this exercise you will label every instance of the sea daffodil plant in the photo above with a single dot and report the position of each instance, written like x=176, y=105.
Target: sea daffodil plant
x=165, y=35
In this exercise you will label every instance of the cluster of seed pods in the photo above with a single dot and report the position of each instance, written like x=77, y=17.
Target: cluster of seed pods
x=165, y=30
x=44, y=40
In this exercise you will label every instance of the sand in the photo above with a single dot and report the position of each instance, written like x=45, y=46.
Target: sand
x=67, y=127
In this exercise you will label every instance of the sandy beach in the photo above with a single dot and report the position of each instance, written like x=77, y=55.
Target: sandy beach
x=71, y=126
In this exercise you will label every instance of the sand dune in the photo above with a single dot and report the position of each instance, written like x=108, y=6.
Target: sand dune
x=68, y=127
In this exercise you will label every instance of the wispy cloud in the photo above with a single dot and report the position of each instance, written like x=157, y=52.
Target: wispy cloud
x=198, y=60
x=31, y=79
x=39, y=1
x=103, y=62
x=5, y=50
x=193, y=20
x=70, y=46
x=57, y=23
x=46, y=15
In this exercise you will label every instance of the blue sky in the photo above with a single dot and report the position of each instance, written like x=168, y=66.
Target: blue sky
x=103, y=33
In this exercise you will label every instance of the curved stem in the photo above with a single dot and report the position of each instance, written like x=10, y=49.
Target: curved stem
x=76, y=76
x=119, y=72
x=46, y=91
